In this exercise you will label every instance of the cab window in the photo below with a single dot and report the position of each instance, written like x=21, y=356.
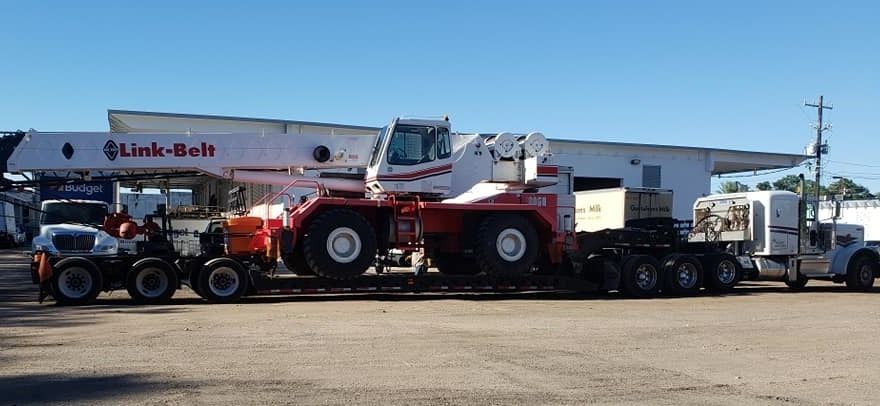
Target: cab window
x=412, y=145
x=444, y=148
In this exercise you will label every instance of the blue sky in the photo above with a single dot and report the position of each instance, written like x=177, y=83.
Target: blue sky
x=714, y=74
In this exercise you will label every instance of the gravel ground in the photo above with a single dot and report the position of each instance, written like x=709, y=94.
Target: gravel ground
x=758, y=345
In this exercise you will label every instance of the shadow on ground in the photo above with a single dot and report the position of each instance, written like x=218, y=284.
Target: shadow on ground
x=68, y=389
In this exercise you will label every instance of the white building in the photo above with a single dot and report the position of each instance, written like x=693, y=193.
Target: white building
x=597, y=164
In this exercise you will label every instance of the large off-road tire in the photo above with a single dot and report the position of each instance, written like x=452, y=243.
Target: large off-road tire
x=222, y=281
x=340, y=244
x=296, y=262
x=860, y=273
x=640, y=276
x=683, y=275
x=151, y=281
x=455, y=264
x=721, y=273
x=75, y=281
x=507, y=245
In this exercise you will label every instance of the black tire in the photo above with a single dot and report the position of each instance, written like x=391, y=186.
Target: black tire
x=640, y=276
x=798, y=284
x=296, y=262
x=455, y=264
x=194, y=283
x=222, y=281
x=356, y=237
x=721, y=273
x=860, y=273
x=683, y=275
x=507, y=245
x=151, y=282
x=605, y=272
x=75, y=282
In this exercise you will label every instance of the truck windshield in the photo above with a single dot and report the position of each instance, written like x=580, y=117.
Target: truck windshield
x=72, y=212
x=411, y=145
x=379, y=140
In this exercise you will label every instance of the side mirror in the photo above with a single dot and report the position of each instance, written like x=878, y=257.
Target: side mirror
x=814, y=237
x=836, y=209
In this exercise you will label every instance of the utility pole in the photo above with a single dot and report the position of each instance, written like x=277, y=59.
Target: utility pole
x=820, y=128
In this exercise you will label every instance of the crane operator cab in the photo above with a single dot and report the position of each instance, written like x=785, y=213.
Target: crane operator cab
x=424, y=157
x=411, y=156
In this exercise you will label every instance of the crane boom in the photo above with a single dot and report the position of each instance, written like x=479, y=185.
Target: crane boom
x=213, y=154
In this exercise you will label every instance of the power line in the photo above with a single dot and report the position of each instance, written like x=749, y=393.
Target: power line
x=768, y=172
x=852, y=163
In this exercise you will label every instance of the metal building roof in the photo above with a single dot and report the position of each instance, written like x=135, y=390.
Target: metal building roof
x=723, y=161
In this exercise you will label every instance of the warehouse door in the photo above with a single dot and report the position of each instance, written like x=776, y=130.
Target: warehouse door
x=651, y=176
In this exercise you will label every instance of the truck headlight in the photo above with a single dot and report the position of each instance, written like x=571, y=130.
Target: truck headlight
x=43, y=244
x=105, y=244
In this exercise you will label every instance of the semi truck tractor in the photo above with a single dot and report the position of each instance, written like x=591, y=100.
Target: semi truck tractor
x=776, y=235
x=491, y=213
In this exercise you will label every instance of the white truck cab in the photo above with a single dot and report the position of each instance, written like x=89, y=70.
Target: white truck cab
x=73, y=227
x=774, y=235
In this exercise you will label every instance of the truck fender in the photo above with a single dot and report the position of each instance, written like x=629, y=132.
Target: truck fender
x=158, y=262
x=83, y=262
x=844, y=255
x=233, y=262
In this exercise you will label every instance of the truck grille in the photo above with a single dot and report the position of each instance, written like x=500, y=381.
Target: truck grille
x=74, y=242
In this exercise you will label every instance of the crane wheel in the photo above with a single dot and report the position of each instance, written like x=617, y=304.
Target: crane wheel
x=455, y=264
x=860, y=273
x=75, y=281
x=683, y=275
x=222, y=280
x=721, y=272
x=340, y=244
x=507, y=245
x=151, y=282
x=296, y=262
x=640, y=276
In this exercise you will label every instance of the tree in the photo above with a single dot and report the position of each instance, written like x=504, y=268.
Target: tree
x=792, y=183
x=849, y=189
x=730, y=186
x=765, y=185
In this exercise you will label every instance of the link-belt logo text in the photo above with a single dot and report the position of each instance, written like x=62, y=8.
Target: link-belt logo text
x=154, y=150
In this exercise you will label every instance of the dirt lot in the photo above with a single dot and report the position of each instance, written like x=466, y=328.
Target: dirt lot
x=760, y=345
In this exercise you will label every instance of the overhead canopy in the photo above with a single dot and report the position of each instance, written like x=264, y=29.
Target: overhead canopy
x=126, y=121
x=719, y=161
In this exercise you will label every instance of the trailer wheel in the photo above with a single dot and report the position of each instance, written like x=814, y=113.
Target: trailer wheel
x=151, y=282
x=722, y=272
x=641, y=276
x=340, y=244
x=507, y=245
x=75, y=281
x=194, y=283
x=860, y=273
x=222, y=281
x=683, y=275
x=453, y=264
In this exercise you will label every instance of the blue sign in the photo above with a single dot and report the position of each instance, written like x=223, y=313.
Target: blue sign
x=101, y=191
